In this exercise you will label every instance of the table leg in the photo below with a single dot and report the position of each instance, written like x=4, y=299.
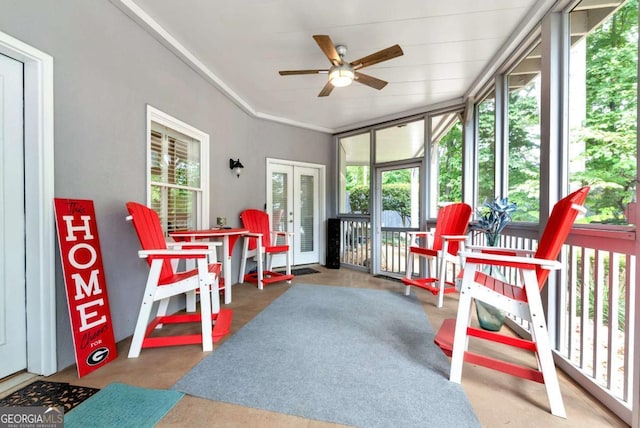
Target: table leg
x=226, y=269
x=191, y=295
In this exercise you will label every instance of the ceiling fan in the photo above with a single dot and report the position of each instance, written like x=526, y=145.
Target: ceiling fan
x=343, y=73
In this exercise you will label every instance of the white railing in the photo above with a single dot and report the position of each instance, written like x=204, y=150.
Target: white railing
x=596, y=334
x=597, y=306
x=596, y=309
x=355, y=247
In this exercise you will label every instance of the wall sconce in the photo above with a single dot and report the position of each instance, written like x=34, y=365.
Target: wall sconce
x=236, y=166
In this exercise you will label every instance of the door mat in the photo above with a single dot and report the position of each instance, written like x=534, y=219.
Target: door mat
x=123, y=406
x=301, y=271
x=44, y=393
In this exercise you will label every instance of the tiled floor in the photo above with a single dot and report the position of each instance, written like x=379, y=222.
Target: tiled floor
x=498, y=399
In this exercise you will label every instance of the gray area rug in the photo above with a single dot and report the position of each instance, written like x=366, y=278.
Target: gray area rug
x=345, y=355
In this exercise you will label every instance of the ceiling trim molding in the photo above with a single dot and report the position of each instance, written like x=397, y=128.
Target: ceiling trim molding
x=144, y=20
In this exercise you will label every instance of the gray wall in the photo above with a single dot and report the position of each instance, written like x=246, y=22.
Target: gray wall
x=106, y=70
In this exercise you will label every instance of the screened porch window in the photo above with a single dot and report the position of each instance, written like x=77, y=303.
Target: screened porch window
x=446, y=160
x=355, y=171
x=486, y=137
x=603, y=108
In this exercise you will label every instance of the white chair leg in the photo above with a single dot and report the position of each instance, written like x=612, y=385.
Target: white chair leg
x=259, y=257
x=540, y=335
x=288, y=269
x=145, y=310
x=409, y=272
x=191, y=301
x=215, y=294
x=243, y=260
x=460, y=339
x=162, y=309
x=442, y=273
x=205, y=305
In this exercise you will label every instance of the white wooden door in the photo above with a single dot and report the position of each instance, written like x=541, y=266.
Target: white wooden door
x=13, y=324
x=293, y=204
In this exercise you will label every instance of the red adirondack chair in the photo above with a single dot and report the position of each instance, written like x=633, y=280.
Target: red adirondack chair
x=261, y=242
x=523, y=301
x=164, y=282
x=442, y=247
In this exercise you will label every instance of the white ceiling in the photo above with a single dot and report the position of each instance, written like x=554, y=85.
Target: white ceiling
x=240, y=45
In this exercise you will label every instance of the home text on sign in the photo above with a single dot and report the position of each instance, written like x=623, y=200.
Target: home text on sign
x=86, y=291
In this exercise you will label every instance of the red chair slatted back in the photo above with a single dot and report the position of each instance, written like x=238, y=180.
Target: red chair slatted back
x=557, y=229
x=452, y=219
x=147, y=225
x=257, y=222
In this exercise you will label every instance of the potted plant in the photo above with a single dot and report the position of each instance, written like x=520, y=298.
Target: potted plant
x=492, y=219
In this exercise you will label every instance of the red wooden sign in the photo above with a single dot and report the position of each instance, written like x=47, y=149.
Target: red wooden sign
x=93, y=338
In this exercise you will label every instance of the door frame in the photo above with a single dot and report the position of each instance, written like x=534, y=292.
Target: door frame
x=376, y=206
x=39, y=193
x=322, y=206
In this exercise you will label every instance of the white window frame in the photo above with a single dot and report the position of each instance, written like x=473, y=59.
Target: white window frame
x=202, y=195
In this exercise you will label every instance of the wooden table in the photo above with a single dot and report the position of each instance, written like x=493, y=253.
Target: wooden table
x=227, y=245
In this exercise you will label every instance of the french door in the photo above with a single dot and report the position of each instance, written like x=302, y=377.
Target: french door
x=13, y=323
x=294, y=205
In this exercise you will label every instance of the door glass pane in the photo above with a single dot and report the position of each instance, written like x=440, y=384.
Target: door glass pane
x=306, y=212
x=279, y=189
x=400, y=193
x=399, y=142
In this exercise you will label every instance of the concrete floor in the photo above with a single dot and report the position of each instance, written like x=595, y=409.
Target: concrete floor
x=498, y=399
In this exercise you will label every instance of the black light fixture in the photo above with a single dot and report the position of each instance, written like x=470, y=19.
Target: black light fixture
x=236, y=166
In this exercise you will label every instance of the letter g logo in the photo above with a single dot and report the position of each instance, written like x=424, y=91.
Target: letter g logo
x=97, y=356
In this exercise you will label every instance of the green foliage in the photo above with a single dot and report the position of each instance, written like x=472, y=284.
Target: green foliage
x=450, y=165
x=524, y=152
x=357, y=175
x=395, y=197
x=619, y=317
x=359, y=199
x=486, y=149
x=609, y=134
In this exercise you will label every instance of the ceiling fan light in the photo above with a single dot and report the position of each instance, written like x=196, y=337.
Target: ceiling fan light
x=340, y=76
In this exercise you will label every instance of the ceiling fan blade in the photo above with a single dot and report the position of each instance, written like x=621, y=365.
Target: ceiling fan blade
x=383, y=55
x=326, y=90
x=294, y=72
x=328, y=48
x=374, y=82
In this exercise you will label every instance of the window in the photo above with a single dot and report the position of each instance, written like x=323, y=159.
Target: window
x=446, y=159
x=524, y=137
x=603, y=107
x=400, y=142
x=178, y=172
x=355, y=171
x=486, y=137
